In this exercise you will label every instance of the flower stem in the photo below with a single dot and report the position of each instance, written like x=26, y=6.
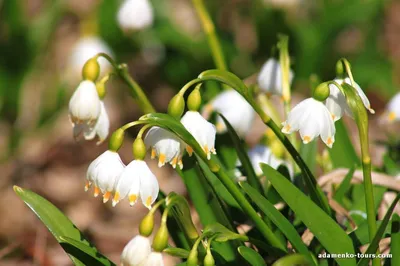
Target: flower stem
x=209, y=30
x=135, y=90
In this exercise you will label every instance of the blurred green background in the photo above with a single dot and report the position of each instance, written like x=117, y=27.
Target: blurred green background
x=37, y=37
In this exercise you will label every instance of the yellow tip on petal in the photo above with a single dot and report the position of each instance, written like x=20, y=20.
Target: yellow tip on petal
x=189, y=150
x=106, y=196
x=220, y=127
x=333, y=117
x=161, y=160
x=286, y=128
x=174, y=162
x=329, y=142
x=96, y=191
x=392, y=116
x=180, y=164
x=372, y=111
x=306, y=139
x=207, y=151
x=213, y=151
x=153, y=153
x=87, y=185
x=115, y=199
x=132, y=199
x=148, y=202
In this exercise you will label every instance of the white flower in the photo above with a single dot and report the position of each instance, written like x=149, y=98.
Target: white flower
x=135, y=14
x=263, y=154
x=101, y=128
x=393, y=108
x=202, y=130
x=166, y=146
x=84, y=107
x=311, y=118
x=154, y=259
x=83, y=50
x=337, y=104
x=136, y=252
x=137, y=181
x=270, y=77
x=235, y=109
x=104, y=172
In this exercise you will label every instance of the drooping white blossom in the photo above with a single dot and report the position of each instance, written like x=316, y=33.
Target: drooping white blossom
x=135, y=15
x=104, y=172
x=136, y=252
x=270, y=77
x=83, y=50
x=166, y=146
x=136, y=181
x=263, y=154
x=393, y=109
x=202, y=130
x=312, y=119
x=154, y=259
x=101, y=128
x=235, y=109
x=84, y=107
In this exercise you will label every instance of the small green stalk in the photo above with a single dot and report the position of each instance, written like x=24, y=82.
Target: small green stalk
x=209, y=29
x=135, y=90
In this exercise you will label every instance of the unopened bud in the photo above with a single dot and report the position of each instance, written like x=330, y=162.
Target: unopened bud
x=194, y=100
x=321, y=92
x=146, y=225
x=139, y=149
x=101, y=89
x=192, y=260
x=116, y=140
x=91, y=69
x=160, y=240
x=209, y=259
x=176, y=106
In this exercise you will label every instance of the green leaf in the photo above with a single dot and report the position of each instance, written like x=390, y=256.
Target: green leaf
x=342, y=152
x=177, y=252
x=86, y=254
x=309, y=153
x=278, y=219
x=344, y=186
x=373, y=246
x=326, y=230
x=293, y=259
x=243, y=157
x=395, y=240
x=57, y=223
x=221, y=233
x=360, y=236
x=251, y=256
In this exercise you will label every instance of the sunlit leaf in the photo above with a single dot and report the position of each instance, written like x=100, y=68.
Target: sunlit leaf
x=251, y=256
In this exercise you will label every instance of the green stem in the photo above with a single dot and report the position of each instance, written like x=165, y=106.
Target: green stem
x=135, y=90
x=209, y=30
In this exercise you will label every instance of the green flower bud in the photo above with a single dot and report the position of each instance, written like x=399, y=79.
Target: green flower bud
x=194, y=100
x=116, y=140
x=139, y=149
x=321, y=92
x=91, y=69
x=209, y=259
x=176, y=106
x=192, y=260
x=146, y=225
x=160, y=241
x=101, y=89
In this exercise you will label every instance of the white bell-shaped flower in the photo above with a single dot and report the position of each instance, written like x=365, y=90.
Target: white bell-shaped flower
x=312, y=119
x=337, y=104
x=101, y=128
x=263, y=154
x=393, y=108
x=166, y=146
x=84, y=106
x=136, y=181
x=235, y=109
x=136, y=252
x=104, y=172
x=135, y=15
x=83, y=50
x=202, y=130
x=270, y=77
x=154, y=259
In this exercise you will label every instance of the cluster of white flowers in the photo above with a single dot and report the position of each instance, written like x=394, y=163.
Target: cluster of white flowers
x=87, y=113
x=138, y=252
x=111, y=177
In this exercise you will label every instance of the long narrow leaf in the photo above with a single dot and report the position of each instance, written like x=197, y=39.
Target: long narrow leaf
x=251, y=256
x=373, y=246
x=243, y=157
x=278, y=219
x=325, y=229
x=344, y=186
x=395, y=240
